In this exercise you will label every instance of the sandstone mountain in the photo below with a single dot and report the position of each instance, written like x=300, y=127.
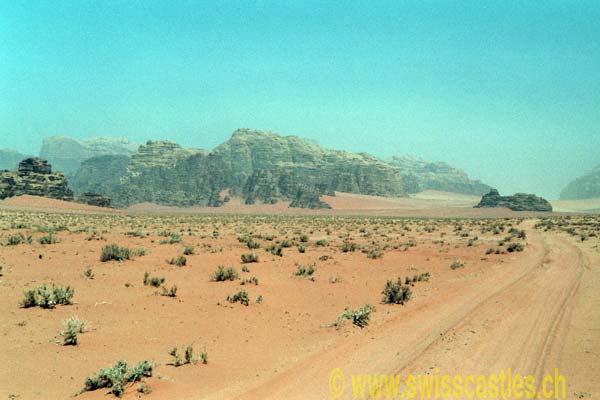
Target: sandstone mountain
x=67, y=154
x=255, y=165
x=584, y=187
x=34, y=177
x=9, y=159
x=423, y=175
x=517, y=202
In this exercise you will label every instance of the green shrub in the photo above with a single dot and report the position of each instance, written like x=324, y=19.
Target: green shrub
x=515, y=247
x=48, y=239
x=73, y=327
x=250, y=258
x=358, y=317
x=241, y=296
x=349, y=246
x=179, y=261
x=253, y=280
x=115, y=252
x=456, y=264
x=116, y=377
x=170, y=292
x=46, y=298
x=302, y=248
x=88, y=273
x=14, y=240
x=304, y=238
x=189, y=250
x=322, y=243
x=188, y=357
x=305, y=271
x=396, y=293
x=225, y=274
x=252, y=244
x=153, y=281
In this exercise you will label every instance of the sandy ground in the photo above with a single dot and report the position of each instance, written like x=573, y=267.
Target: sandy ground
x=531, y=311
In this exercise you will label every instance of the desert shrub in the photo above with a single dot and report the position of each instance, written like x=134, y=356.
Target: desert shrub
x=172, y=292
x=253, y=280
x=179, y=261
x=456, y=264
x=305, y=271
x=72, y=327
x=489, y=251
x=204, y=357
x=375, y=253
x=189, y=250
x=115, y=252
x=250, y=258
x=188, y=357
x=14, y=240
x=153, y=281
x=225, y=274
x=302, y=248
x=396, y=293
x=358, y=317
x=286, y=244
x=46, y=298
x=173, y=238
x=322, y=243
x=115, y=378
x=252, y=244
x=88, y=273
x=245, y=268
x=259, y=299
x=48, y=239
x=144, y=388
x=241, y=297
x=515, y=247
x=304, y=238
x=276, y=250
x=140, y=252
x=349, y=246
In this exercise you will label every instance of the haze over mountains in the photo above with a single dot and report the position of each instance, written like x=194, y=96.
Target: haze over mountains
x=257, y=166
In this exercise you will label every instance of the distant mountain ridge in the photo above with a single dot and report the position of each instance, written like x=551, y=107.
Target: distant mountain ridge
x=257, y=166
x=584, y=187
x=423, y=175
x=66, y=154
x=10, y=159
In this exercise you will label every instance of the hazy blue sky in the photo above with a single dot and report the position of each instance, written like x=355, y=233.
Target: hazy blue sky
x=509, y=91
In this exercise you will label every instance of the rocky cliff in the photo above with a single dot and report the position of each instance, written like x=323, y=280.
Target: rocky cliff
x=585, y=187
x=34, y=177
x=255, y=165
x=67, y=154
x=425, y=175
x=517, y=202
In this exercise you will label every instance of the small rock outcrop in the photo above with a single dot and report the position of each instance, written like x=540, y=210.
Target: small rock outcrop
x=517, y=202
x=94, y=199
x=34, y=177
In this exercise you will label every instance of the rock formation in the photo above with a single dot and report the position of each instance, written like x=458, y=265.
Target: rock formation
x=67, y=154
x=584, y=187
x=34, y=177
x=424, y=175
x=94, y=199
x=517, y=202
x=257, y=166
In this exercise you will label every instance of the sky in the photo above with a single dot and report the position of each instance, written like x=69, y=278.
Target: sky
x=509, y=91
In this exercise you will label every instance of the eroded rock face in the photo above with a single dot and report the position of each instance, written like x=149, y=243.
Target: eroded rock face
x=517, y=202
x=34, y=177
x=257, y=166
x=585, y=187
x=424, y=175
x=94, y=199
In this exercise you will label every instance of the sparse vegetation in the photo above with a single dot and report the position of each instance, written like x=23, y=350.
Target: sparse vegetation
x=47, y=298
x=241, y=297
x=115, y=252
x=250, y=258
x=72, y=327
x=225, y=274
x=116, y=377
